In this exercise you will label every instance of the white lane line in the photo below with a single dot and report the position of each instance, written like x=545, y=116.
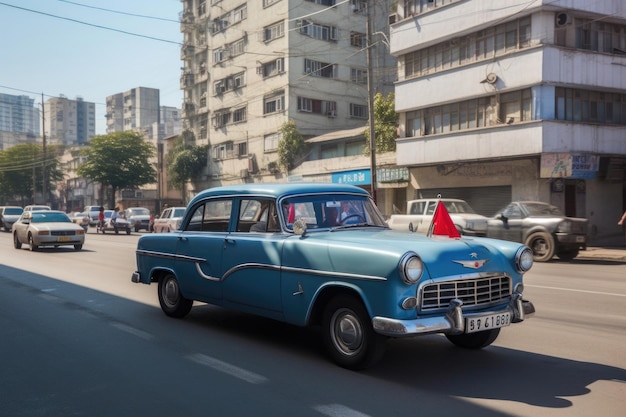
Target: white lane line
x=132, y=330
x=572, y=290
x=227, y=368
x=338, y=410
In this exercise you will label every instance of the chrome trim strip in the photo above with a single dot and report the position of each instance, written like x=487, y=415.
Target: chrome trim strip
x=169, y=256
x=333, y=274
x=205, y=276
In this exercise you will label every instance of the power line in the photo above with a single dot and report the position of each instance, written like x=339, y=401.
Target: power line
x=119, y=12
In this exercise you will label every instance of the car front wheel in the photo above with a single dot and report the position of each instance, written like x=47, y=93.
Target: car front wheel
x=172, y=301
x=31, y=243
x=349, y=337
x=477, y=340
x=542, y=246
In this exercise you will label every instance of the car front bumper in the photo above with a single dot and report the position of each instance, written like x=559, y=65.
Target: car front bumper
x=453, y=322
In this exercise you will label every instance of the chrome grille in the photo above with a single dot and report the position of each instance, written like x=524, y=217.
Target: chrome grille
x=63, y=232
x=479, y=291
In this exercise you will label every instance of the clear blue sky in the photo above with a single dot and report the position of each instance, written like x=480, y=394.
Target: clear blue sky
x=59, y=47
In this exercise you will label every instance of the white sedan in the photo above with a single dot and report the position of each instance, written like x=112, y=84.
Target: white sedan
x=169, y=220
x=47, y=228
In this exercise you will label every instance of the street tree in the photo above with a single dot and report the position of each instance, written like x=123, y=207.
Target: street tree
x=185, y=161
x=22, y=168
x=291, y=145
x=118, y=160
x=385, y=124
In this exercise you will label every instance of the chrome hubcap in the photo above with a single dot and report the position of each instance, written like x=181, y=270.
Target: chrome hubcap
x=347, y=332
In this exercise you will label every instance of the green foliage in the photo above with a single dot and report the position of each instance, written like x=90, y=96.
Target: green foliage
x=21, y=164
x=185, y=161
x=385, y=123
x=291, y=145
x=120, y=160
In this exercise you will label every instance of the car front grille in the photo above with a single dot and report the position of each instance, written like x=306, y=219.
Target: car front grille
x=63, y=232
x=480, y=291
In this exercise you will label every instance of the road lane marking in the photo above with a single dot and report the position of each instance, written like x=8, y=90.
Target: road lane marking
x=133, y=330
x=227, y=368
x=572, y=290
x=338, y=410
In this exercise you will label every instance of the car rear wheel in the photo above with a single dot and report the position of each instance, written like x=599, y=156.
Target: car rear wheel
x=542, y=245
x=172, y=301
x=477, y=340
x=78, y=247
x=349, y=337
x=16, y=242
x=31, y=243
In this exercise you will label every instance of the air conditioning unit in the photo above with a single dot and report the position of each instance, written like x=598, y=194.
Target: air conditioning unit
x=562, y=19
x=393, y=18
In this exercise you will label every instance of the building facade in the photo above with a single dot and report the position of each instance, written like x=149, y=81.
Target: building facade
x=19, y=120
x=249, y=67
x=515, y=102
x=68, y=122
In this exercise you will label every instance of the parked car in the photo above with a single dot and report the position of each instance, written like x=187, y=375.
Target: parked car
x=270, y=249
x=81, y=219
x=169, y=220
x=39, y=228
x=419, y=215
x=139, y=218
x=542, y=227
x=34, y=207
x=93, y=214
x=8, y=216
x=116, y=226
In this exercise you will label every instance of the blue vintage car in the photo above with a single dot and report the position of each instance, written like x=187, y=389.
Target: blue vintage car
x=322, y=254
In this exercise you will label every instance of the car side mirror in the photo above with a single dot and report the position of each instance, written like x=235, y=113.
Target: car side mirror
x=299, y=227
x=411, y=229
x=504, y=218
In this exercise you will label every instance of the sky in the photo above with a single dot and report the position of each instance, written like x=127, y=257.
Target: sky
x=90, y=49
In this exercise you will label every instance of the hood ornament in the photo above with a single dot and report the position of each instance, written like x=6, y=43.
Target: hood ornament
x=474, y=264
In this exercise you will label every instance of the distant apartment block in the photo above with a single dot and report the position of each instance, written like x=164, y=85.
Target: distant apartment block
x=19, y=120
x=69, y=122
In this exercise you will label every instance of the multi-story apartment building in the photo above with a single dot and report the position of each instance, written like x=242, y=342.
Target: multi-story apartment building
x=135, y=109
x=504, y=100
x=19, y=120
x=249, y=67
x=68, y=122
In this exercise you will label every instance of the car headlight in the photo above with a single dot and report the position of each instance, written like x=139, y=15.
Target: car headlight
x=411, y=268
x=564, y=227
x=524, y=259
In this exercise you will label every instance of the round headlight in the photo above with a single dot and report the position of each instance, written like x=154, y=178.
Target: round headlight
x=524, y=259
x=411, y=268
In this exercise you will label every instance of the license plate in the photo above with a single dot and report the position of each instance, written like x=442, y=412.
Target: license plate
x=63, y=239
x=487, y=322
x=580, y=239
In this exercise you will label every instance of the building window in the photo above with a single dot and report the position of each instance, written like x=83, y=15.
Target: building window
x=320, y=69
x=329, y=150
x=327, y=108
x=224, y=151
x=227, y=19
x=239, y=115
x=357, y=39
x=270, y=142
x=229, y=83
x=267, y=3
x=358, y=75
x=220, y=118
x=590, y=106
x=241, y=148
x=593, y=35
x=271, y=68
x=358, y=111
x=478, y=46
x=237, y=47
x=323, y=2
x=274, y=103
x=358, y=6
x=322, y=32
x=272, y=32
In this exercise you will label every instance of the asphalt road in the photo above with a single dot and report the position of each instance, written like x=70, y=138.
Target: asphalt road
x=80, y=339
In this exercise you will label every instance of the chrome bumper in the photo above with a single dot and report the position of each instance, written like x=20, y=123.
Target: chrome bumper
x=453, y=322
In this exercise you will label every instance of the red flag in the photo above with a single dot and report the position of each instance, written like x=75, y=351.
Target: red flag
x=442, y=223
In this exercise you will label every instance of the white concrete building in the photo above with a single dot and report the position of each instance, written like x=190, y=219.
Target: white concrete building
x=19, y=120
x=249, y=67
x=68, y=122
x=504, y=100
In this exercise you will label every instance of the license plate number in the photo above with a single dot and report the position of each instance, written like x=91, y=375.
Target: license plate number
x=63, y=239
x=487, y=322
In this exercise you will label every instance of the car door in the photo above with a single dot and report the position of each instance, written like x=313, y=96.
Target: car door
x=161, y=221
x=252, y=259
x=507, y=225
x=427, y=218
x=200, y=247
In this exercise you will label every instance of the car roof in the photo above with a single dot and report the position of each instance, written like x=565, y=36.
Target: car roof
x=279, y=189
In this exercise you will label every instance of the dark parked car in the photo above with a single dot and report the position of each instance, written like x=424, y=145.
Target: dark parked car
x=9, y=215
x=138, y=217
x=542, y=227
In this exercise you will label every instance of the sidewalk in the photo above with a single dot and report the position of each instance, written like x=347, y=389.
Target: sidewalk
x=607, y=253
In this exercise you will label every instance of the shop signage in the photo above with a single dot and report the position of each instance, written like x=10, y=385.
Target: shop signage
x=567, y=165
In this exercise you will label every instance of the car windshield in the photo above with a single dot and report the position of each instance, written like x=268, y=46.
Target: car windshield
x=43, y=217
x=325, y=211
x=13, y=211
x=458, y=207
x=139, y=211
x=542, y=209
x=179, y=212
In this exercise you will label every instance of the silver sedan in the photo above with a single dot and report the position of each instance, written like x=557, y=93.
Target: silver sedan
x=47, y=228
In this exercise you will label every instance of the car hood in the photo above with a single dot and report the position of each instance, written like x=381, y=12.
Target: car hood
x=55, y=226
x=139, y=217
x=344, y=250
x=11, y=217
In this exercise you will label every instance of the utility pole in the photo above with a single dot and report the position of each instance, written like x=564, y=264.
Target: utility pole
x=370, y=97
x=43, y=170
